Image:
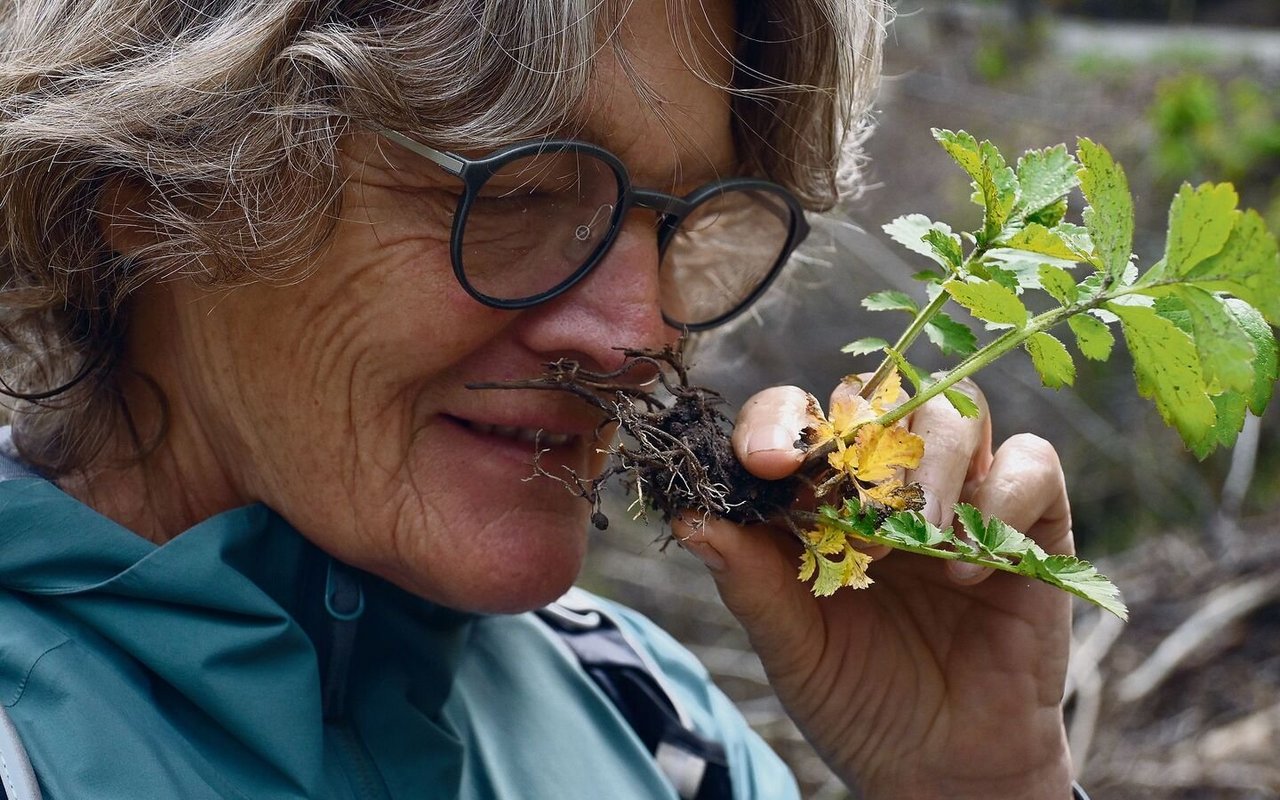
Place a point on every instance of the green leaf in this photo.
(910, 527)
(929, 276)
(909, 231)
(993, 536)
(909, 371)
(1051, 360)
(1059, 284)
(1230, 409)
(1080, 578)
(1045, 177)
(1093, 337)
(1167, 370)
(1266, 361)
(1050, 215)
(963, 148)
(1039, 239)
(946, 246)
(861, 347)
(1225, 348)
(952, 338)
(988, 301)
(962, 403)
(995, 181)
(1200, 221)
(1109, 217)
(890, 300)
(1247, 266)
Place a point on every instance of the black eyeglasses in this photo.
(535, 218)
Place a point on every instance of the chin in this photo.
(518, 566)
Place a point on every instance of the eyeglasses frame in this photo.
(671, 210)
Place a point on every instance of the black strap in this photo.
(697, 767)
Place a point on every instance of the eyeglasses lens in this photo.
(722, 253)
(536, 222)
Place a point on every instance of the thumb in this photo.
(755, 572)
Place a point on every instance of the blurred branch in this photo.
(1224, 606)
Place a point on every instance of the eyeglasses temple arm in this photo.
(446, 161)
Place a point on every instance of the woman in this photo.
(264, 542)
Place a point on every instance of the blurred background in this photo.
(1184, 700)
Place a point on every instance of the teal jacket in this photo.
(193, 670)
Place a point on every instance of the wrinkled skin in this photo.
(339, 400)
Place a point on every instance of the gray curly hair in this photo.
(228, 114)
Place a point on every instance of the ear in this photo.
(123, 219)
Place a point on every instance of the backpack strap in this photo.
(17, 779)
(697, 767)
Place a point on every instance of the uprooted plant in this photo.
(1197, 324)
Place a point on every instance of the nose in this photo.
(616, 306)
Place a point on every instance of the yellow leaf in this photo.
(893, 494)
(848, 413)
(854, 568)
(882, 451)
(886, 394)
(807, 565)
(844, 460)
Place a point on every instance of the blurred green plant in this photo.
(1206, 129)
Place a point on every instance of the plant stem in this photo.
(977, 361)
(811, 519)
(905, 340)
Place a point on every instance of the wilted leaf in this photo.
(882, 450)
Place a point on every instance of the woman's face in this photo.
(341, 400)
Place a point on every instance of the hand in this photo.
(937, 681)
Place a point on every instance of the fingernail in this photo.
(964, 572)
(704, 552)
(771, 437)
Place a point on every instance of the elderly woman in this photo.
(257, 537)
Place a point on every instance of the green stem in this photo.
(812, 519)
(906, 339)
(980, 359)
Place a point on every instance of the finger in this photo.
(957, 450)
(1025, 488)
(755, 573)
(766, 437)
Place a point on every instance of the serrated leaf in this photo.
(946, 246)
(963, 148)
(1167, 370)
(1059, 284)
(1081, 579)
(1226, 349)
(863, 346)
(952, 338)
(1093, 338)
(1230, 409)
(882, 451)
(832, 575)
(890, 300)
(909, 231)
(910, 527)
(992, 535)
(988, 301)
(1051, 360)
(1266, 360)
(1036, 238)
(928, 276)
(1247, 266)
(1200, 221)
(908, 370)
(1045, 177)
(1109, 217)
(1050, 215)
(962, 403)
